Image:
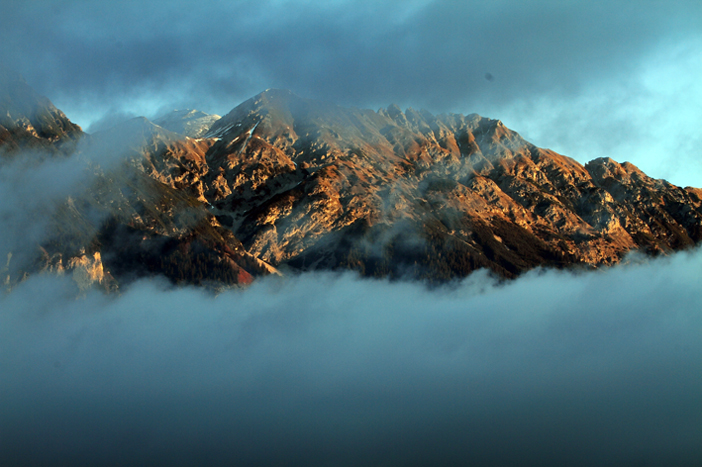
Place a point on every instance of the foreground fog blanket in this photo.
(597, 368)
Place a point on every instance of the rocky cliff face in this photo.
(137, 216)
(291, 183)
(313, 185)
(142, 226)
(30, 121)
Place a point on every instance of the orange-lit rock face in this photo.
(315, 185)
(288, 181)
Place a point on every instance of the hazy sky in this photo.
(588, 79)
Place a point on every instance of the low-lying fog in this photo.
(555, 368)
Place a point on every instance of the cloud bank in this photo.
(602, 368)
(623, 74)
(426, 53)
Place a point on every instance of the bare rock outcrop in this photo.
(283, 182)
(309, 184)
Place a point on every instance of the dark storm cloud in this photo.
(578, 77)
(431, 54)
(601, 368)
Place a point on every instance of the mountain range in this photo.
(283, 183)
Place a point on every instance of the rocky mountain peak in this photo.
(312, 184)
(29, 120)
(187, 122)
(274, 110)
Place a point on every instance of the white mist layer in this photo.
(554, 368)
